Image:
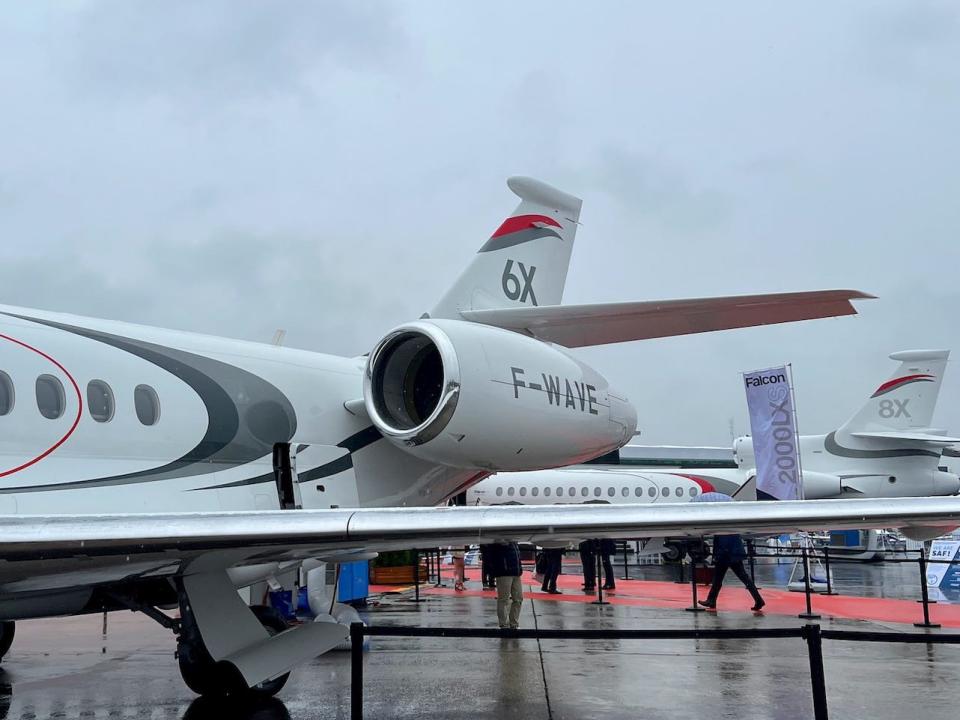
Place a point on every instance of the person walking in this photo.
(608, 549)
(588, 560)
(507, 570)
(729, 554)
(553, 560)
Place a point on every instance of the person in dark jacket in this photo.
(729, 554)
(608, 549)
(553, 560)
(486, 572)
(588, 560)
(505, 565)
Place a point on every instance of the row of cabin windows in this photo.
(52, 399)
(597, 492)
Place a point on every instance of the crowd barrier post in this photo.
(439, 564)
(356, 671)
(924, 595)
(416, 576)
(809, 614)
(752, 556)
(817, 678)
(826, 569)
(695, 607)
(626, 570)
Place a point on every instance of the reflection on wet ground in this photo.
(67, 669)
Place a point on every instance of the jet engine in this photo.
(474, 396)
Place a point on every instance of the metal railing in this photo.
(812, 634)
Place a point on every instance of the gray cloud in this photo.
(329, 168)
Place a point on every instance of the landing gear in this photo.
(7, 631)
(207, 677)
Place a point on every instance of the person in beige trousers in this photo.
(508, 570)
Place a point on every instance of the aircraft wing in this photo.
(602, 323)
(226, 539)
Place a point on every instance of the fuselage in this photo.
(106, 416)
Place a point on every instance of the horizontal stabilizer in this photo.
(913, 437)
(602, 323)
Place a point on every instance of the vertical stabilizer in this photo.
(907, 400)
(525, 261)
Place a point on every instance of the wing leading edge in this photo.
(602, 323)
(243, 537)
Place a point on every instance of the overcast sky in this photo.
(330, 167)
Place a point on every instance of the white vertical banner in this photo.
(773, 427)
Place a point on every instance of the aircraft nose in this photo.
(623, 413)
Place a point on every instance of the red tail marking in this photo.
(523, 222)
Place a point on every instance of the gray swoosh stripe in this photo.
(246, 414)
(831, 445)
(355, 442)
(517, 238)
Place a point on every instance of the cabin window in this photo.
(693, 492)
(7, 396)
(652, 491)
(546, 492)
(678, 492)
(638, 491)
(51, 400)
(596, 492)
(100, 401)
(666, 491)
(535, 491)
(147, 404)
(499, 491)
(510, 491)
(626, 491)
(611, 491)
(523, 491)
(560, 492)
(584, 491)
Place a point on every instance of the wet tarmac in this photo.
(67, 668)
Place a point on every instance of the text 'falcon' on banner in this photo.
(773, 425)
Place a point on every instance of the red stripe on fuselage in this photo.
(705, 486)
(523, 222)
(76, 421)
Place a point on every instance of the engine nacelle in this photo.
(816, 485)
(475, 396)
(820, 486)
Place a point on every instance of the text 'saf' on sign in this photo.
(774, 431)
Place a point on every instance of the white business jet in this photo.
(151, 469)
(887, 449)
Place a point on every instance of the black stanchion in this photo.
(439, 565)
(817, 679)
(826, 569)
(599, 600)
(356, 671)
(925, 597)
(809, 614)
(626, 570)
(752, 556)
(416, 576)
(695, 607)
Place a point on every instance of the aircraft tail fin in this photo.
(525, 261)
(907, 399)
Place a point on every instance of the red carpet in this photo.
(649, 593)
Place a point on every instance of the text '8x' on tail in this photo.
(907, 399)
(525, 261)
